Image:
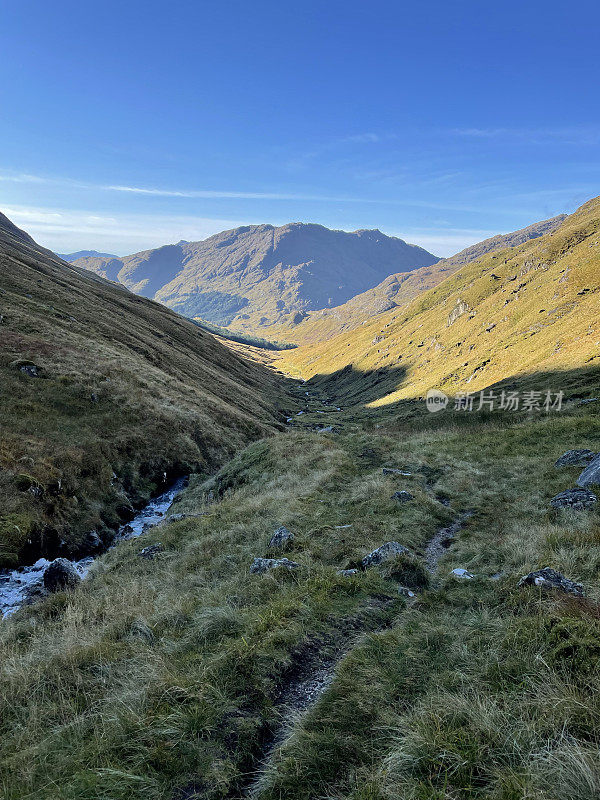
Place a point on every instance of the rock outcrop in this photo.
(262, 565)
(61, 575)
(591, 474)
(385, 553)
(281, 539)
(575, 458)
(577, 498)
(548, 578)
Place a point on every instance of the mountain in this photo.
(105, 396)
(524, 309)
(257, 275)
(401, 287)
(433, 630)
(70, 257)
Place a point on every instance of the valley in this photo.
(333, 606)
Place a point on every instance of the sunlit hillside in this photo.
(531, 308)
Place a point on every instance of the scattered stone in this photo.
(405, 592)
(31, 370)
(342, 527)
(328, 429)
(94, 397)
(347, 572)
(578, 499)
(588, 400)
(282, 538)
(463, 574)
(403, 496)
(591, 474)
(384, 553)
(395, 471)
(262, 565)
(548, 578)
(61, 575)
(575, 458)
(152, 550)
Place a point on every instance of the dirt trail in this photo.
(442, 540)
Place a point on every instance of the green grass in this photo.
(162, 679)
(158, 677)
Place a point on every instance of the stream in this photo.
(16, 584)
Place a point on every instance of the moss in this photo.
(15, 531)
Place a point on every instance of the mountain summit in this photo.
(257, 275)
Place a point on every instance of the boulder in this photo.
(403, 496)
(281, 539)
(578, 499)
(262, 565)
(548, 578)
(384, 553)
(151, 551)
(28, 368)
(575, 458)
(60, 575)
(591, 474)
(346, 573)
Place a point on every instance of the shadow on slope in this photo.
(362, 394)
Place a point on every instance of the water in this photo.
(16, 584)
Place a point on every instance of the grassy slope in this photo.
(158, 678)
(542, 299)
(126, 387)
(401, 288)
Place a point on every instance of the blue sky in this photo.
(125, 125)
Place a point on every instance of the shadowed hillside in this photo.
(106, 396)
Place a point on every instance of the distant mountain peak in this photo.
(84, 254)
(256, 275)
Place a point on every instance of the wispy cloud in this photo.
(236, 195)
(65, 230)
(150, 191)
(576, 135)
(21, 178)
(444, 241)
